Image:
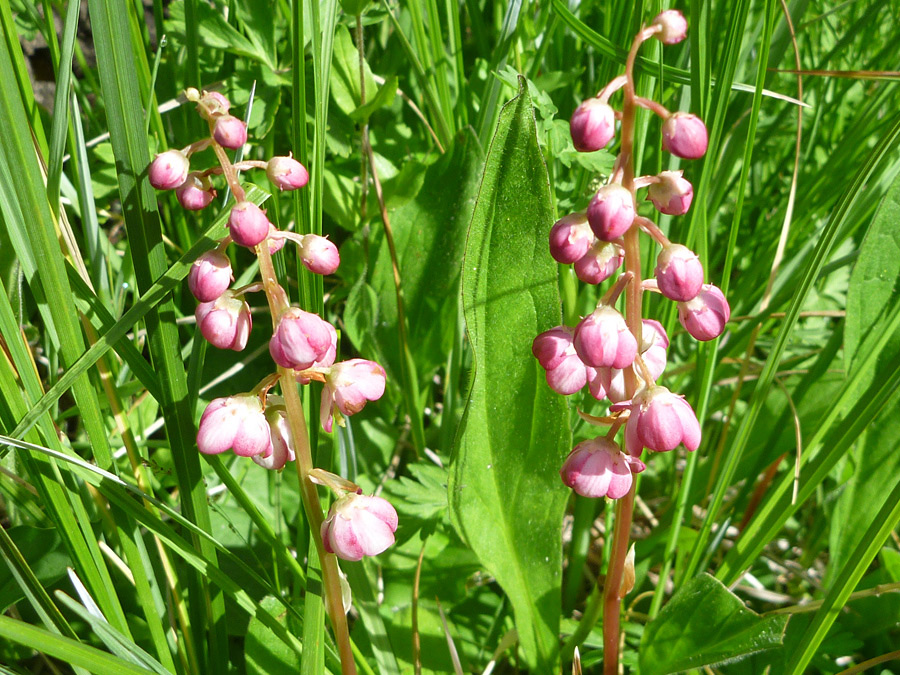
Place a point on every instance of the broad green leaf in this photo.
(263, 651)
(345, 73)
(702, 625)
(214, 32)
(505, 495)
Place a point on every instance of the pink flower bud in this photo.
(673, 194)
(211, 104)
(570, 238)
(597, 468)
(319, 254)
(301, 339)
(168, 170)
(611, 212)
(554, 350)
(593, 125)
(600, 262)
(210, 276)
(287, 173)
(602, 340)
(705, 316)
(225, 322)
(358, 525)
(248, 224)
(610, 382)
(349, 385)
(217, 100)
(280, 432)
(684, 135)
(660, 420)
(230, 132)
(196, 192)
(674, 27)
(235, 422)
(679, 273)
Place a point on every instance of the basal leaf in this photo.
(704, 624)
(505, 495)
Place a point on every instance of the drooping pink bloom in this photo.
(674, 26)
(301, 340)
(570, 238)
(660, 421)
(319, 254)
(610, 382)
(611, 212)
(600, 262)
(225, 322)
(247, 224)
(168, 170)
(597, 468)
(230, 132)
(349, 385)
(592, 126)
(236, 422)
(684, 135)
(359, 525)
(280, 432)
(210, 276)
(602, 340)
(196, 192)
(286, 173)
(679, 273)
(705, 316)
(555, 351)
(673, 193)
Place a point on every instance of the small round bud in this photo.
(319, 254)
(235, 422)
(673, 193)
(349, 385)
(196, 192)
(679, 273)
(358, 526)
(210, 104)
(597, 468)
(684, 135)
(248, 224)
(225, 322)
(554, 350)
(654, 343)
(169, 170)
(230, 132)
(286, 173)
(600, 262)
(570, 238)
(611, 212)
(660, 420)
(302, 340)
(210, 276)
(593, 125)
(674, 27)
(602, 340)
(705, 316)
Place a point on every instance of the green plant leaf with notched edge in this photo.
(702, 625)
(506, 499)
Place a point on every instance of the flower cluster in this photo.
(255, 424)
(601, 349)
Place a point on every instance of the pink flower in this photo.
(603, 340)
(210, 276)
(235, 422)
(705, 316)
(280, 432)
(358, 525)
(212, 104)
(600, 262)
(597, 468)
(230, 132)
(610, 382)
(660, 420)
(319, 254)
(684, 135)
(593, 125)
(168, 170)
(349, 385)
(674, 26)
(555, 351)
(673, 193)
(301, 340)
(570, 238)
(286, 173)
(225, 322)
(679, 273)
(611, 212)
(248, 224)
(196, 192)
